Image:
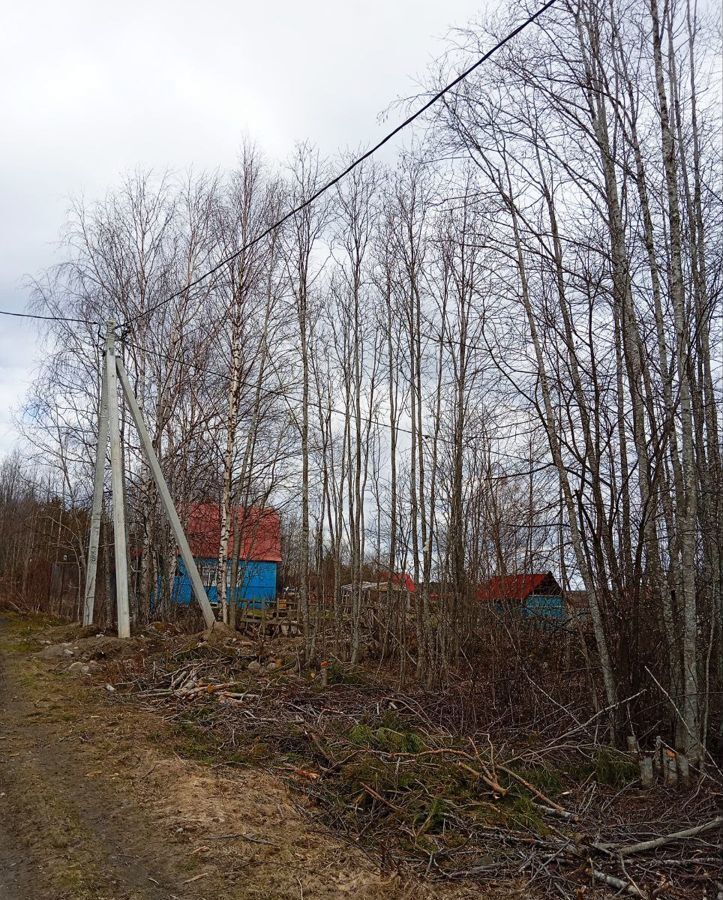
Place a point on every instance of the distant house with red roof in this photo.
(398, 581)
(259, 557)
(535, 594)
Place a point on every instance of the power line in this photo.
(350, 168)
(19, 315)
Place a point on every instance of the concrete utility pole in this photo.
(109, 424)
(166, 499)
(116, 467)
(97, 511)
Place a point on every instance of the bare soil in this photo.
(96, 801)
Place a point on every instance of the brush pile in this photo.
(426, 786)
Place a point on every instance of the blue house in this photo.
(535, 595)
(259, 558)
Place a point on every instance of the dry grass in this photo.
(424, 784)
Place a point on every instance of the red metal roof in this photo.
(402, 580)
(260, 534)
(511, 587)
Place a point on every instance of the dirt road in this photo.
(98, 800)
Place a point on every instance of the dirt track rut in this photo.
(96, 804)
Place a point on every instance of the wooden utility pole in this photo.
(116, 467)
(166, 499)
(97, 511)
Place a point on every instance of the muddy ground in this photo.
(98, 800)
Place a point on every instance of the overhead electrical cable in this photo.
(350, 168)
(315, 196)
(20, 315)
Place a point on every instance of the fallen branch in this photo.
(625, 886)
(188, 692)
(643, 846)
(557, 812)
(196, 878)
(325, 754)
(488, 780)
(303, 773)
(376, 796)
(532, 789)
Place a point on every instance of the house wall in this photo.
(256, 587)
(545, 606)
(535, 606)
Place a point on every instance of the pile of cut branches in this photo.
(549, 804)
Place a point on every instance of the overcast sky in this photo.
(91, 90)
